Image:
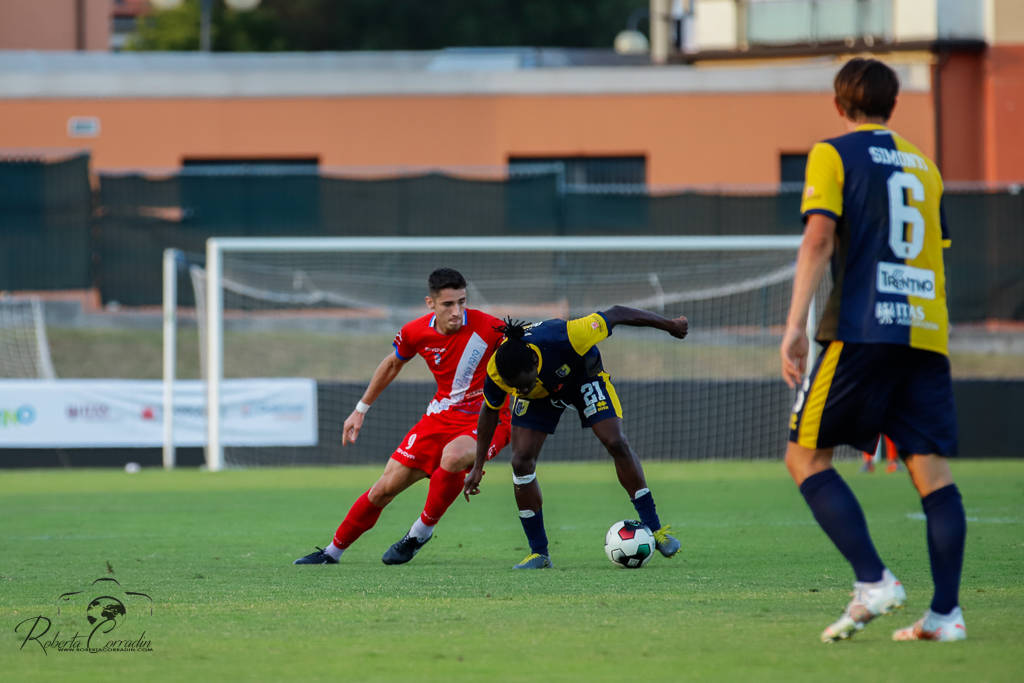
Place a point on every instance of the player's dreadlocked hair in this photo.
(514, 357)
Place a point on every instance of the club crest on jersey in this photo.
(437, 359)
(520, 407)
(562, 371)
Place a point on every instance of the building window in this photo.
(803, 22)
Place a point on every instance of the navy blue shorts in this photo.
(594, 399)
(857, 391)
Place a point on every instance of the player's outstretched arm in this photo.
(486, 423)
(624, 315)
(385, 373)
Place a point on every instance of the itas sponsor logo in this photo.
(895, 313)
(895, 278)
(22, 416)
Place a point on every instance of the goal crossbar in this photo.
(414, 244)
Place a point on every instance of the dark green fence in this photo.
(45, 221)
(59, 234)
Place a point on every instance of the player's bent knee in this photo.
(384, 491)
(456, 462)
(929, 473)
(523, 463)
(618, 448)
(380, 498)
(803, 462)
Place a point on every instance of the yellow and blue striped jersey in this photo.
(887, 269)
(566, 353)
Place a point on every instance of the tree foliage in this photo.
(317, 25)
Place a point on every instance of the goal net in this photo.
(24, 350)
(328, 309)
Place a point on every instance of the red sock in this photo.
(360, 518)
(891, 451)
(445, 487)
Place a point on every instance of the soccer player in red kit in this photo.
(456, 342)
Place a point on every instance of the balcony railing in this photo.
(738, 25)
(789, 22)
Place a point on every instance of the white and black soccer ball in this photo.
(629, 544)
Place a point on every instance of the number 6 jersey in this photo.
(887, 269)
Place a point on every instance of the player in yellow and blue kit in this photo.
(547, 367)
(873, 205)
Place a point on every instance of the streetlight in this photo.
(630, 41)
(205, 12)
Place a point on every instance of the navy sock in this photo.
(947, 529)
(533, 526)
(645, 509)
(840, 516)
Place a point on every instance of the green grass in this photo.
(745, 601)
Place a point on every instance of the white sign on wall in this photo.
(83, 127)
(75, 413)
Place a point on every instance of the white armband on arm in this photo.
(362, 408)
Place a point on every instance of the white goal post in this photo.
(732, 287)
(24, 349)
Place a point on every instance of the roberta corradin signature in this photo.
(103, 617)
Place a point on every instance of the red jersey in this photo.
(458, 361)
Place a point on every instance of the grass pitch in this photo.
(745, 600)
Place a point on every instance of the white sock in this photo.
(421, 531)
(334, 551)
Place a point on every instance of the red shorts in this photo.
(422, 447)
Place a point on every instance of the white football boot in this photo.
(869, 601)
(937, 627)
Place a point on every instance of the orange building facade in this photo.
(708, 123)
(693, 125)
(712, 122)
(686, 140)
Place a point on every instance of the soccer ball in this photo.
(629, 544)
